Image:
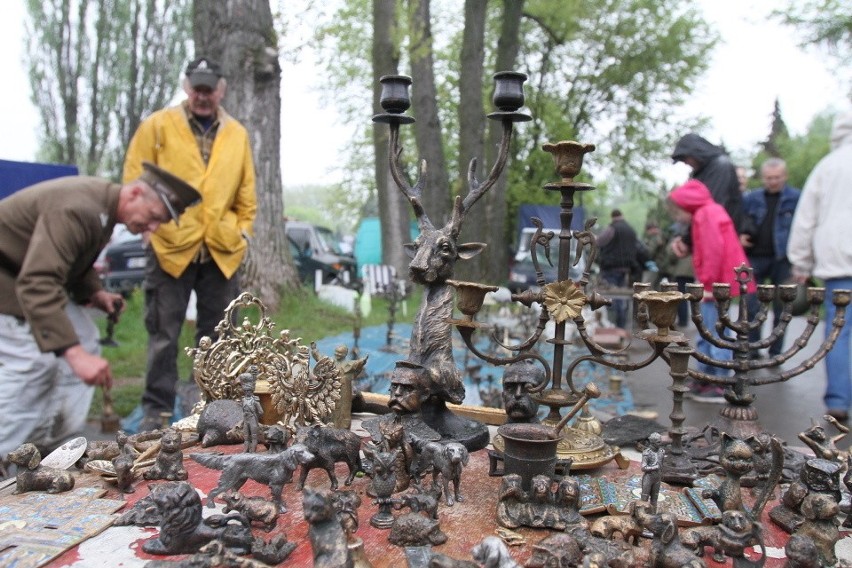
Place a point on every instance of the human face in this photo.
(742, 178)
(773, 177)
(204, 101)
(404, 398)
(145, 211)
(517, 402)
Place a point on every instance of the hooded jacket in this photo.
(226, 184)
(716, 171)
(716, 249)
(819, 240)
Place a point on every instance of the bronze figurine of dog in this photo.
(32, 476)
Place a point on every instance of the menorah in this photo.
(739, 417)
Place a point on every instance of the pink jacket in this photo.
(716, 248)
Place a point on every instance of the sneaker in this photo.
(711, 394)
(149, 423)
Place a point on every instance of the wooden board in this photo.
(37, 527)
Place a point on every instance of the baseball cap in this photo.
(203, 72)
(175, 193)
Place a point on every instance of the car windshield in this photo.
(327, 240)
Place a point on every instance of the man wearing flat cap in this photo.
(201, 143)
(52, 234)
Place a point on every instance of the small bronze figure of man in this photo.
(252, 411)
(652, 469)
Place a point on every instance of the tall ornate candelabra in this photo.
(738, 417)
(563, 301)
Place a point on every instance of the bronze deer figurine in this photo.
(433, 257)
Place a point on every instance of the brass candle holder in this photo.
(739, 417)
(563, 301)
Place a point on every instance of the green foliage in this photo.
(823, 23)
(96, 68)
(801, 152)
(611, 73)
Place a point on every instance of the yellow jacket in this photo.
(228, 201)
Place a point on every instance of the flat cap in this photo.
(176, 194)
(203, 71)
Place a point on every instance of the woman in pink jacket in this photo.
(716, 253)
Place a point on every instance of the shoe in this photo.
(710, 394)
(149, 423)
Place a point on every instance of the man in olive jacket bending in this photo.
(52, 234)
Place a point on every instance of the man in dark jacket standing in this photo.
(769, 211)
(52, 234)
(618, 245)
(714, 168)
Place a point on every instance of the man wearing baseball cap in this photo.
(49, 352)
(201, 143)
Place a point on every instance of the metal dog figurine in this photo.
(446, 459)
(32, 476)
(253, 508)
(273, 470)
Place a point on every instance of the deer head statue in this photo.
(435, 252)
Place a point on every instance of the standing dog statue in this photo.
(446, 459)
(273, 470)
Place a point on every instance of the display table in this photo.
(466, 523)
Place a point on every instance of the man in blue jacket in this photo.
(769, 211)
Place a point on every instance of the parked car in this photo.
(522, 273)
(123, 265)
(313, 249)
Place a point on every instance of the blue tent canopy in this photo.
(18, 175)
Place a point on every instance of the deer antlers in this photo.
(460, 207)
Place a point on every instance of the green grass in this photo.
(301, 312)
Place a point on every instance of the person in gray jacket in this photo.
(819, 246)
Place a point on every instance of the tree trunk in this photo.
(495, 257)
(240, 35)
(427, 129)
(393, 207)
(472, 130)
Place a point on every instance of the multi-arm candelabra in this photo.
(563, 301)
(739, 417)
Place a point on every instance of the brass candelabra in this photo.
(739, 417)
(562, 302)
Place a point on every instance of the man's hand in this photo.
(800, 276)
(111, 303)
(745, 240)
(92, 369)
(679, 248)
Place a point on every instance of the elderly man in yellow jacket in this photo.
(201, 143)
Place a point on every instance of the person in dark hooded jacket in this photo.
(714, 168)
